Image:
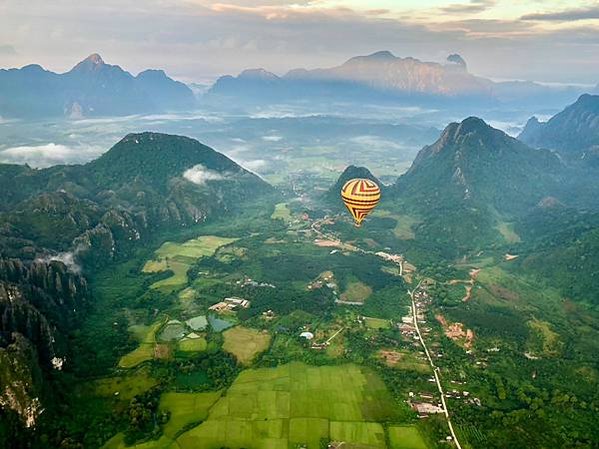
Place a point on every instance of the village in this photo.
(425, 403)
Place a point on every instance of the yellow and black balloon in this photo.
(360, 196)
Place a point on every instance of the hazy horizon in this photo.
(197, 41)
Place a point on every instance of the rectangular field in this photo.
(185, 408)
(406, 437)
(297, 404)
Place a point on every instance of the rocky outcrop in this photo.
(39, 302)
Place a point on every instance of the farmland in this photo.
(178, 257)
(245, 343)
(405, 437)
(296, 404)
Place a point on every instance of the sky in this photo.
(199, 40)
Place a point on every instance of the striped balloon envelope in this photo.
(360, 197)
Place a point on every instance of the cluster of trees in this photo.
(143, 420)
(215, 370)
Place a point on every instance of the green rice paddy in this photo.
(145, 351)
(406, 437)
(192, 345)
(296, 404)
(178, 257)
(377, 323)
(281, 212)
(186, 408)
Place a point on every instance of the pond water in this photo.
(218, 324)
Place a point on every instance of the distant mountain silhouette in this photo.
(91, 88)
(381, 77)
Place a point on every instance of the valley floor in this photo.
(243, 339)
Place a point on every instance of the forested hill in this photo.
(572, 132)
(145, 182)
(475, 165)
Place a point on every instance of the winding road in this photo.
(315, 227)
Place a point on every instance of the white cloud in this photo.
(255, 164)
(198, 174)
(378, 143)
(273, 138)
(67, 258)
(41, 156)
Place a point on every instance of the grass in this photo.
(145, 351)
(336, 347)
(245, 343)
(404, 229)
(543, 340)
(178, 278)
(192, 345)
(356, 292)
(507, 232)
(178, 257)
(369, 434)
(281, 212)
(186, 408)
(405, 360)
(406, 437)
(296, 404)
(127, 386)
(117, 442)
(205, 245)
(377, 323)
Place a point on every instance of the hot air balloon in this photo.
(360, 197)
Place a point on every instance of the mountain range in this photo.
(572, 132)
(95, 88)
(382, 77)
(476, 165)
(91, 88)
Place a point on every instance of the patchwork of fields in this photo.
(296, 404)
(286, 407)
(178, 257)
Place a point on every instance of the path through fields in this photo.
(316, 227)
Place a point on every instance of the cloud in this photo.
(273, 138)
(568, 15)
(473, 7)
(377, 143)
(41, 156)
(67, 258)
(200, 175)
(253, 165)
